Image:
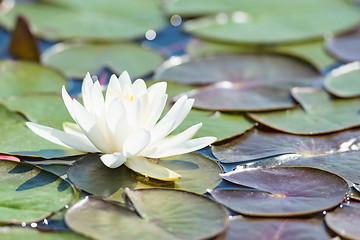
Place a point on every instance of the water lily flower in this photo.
(125, 125)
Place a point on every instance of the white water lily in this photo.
(125, 126)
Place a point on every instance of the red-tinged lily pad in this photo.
(10, 233)
(157, 214)
(21, 78)
(242, 228)
(282, 191)
(18, 139)
(257, 144)
(320, 113)
(9, 157)
(344, 81)
(345, 164)
(344, 222)
(29, 194)
(75, 60)
(249, 69)
(346, 47)
(89, 19)
(270, 22)
(198, 173)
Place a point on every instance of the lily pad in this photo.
(344, 222)
(160, 214)
(77, 59)
(354, 194)
(346, 47)
(29, 194)
(257, 144)
(282, 191)
(319, 114)
(10, 233)
(110, 20)
(45, 109)
(247, 68)
(21, 78)
(344, 81)
(345, 164)
(198, 173)
(276, 21)
(242, 228)
(17, 139)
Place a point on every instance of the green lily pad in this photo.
(21, 78)
(75, 60)
(319, 114)
(354, 194)
(344, 81)
(344, 222)
(160, 214)
(257, 144)
(45, 109)
(345, 164)
(217, 124)
(18, 139)
(110, 20)
(241, 228)
(282, 191)
(247, 68)
(10, 233)
(276, 21)
(29, 194)
(198, 173)
(345, 47)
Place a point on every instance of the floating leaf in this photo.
(320, 114)
(10, 233)
(110, 20)
(20, 78)
(17, 139)
(276, 21)
(257, 144)
(354, 194)
(198, 173)
(344, 81)
(345, 47)
(23, 45)
(344, 222)
(247, 68)
(29, 193)
(160, 214)
(282, 191)
(45, 109)
(242, 228)
(77, 59)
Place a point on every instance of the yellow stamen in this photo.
(131, 98)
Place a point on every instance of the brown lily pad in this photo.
(346, 47)
(257, 144)
(344, 222)
(282, 191)
(320, 113)
(242, 228)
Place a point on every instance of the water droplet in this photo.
(66, 206)
(150, 35)
(222, 18)
(23, 224)
(341, 206)
(33, 225)
(46, 221)
(175, 20)
(324, 212)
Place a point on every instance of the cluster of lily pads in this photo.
(287, 158)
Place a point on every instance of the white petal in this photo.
(138, 87)
(62, 138)
(97, 100)
(113, 160)
(136, 142)
(156, 109)
(86, 91)
(124, 79)
(73, 129)
(90, 127)
(157, 89)
(68, 101)
(113, 90)
(133, 112)
(185, 147)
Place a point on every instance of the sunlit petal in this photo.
(113, 160)
(124, 79)
(136, 142)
